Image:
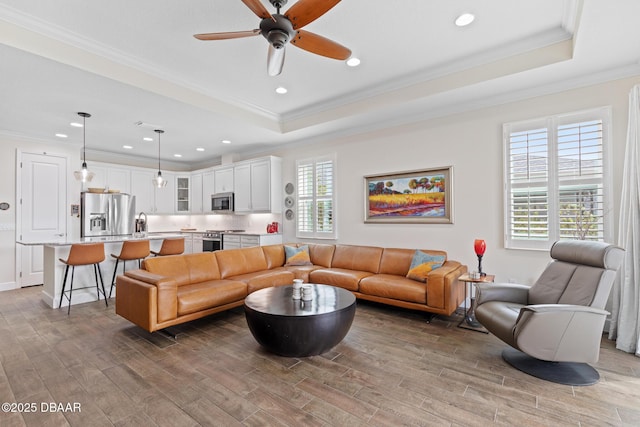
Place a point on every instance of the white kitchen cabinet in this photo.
(208, 189)
(197, 242)
(242, 186)
(230, 241)
(196, 193)
(235, 241)
(144, 191)
(223, 180)
(107, 176)
(165, 197)
(183, 195)
(119, 179)
(258, 186)
(188, 242)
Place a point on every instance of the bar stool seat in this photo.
(132, 250)
(174, 246)
(83, 254)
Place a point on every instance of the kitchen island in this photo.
(53, 269)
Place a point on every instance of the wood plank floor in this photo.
(392, 369)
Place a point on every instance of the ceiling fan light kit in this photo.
(279, 30)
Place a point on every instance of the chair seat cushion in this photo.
(201, 296)
(394, 287)
(500, 318)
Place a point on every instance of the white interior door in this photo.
(42, 193)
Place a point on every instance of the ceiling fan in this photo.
(280, 29)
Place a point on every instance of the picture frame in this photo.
(417, 196)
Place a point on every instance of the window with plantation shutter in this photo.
(316, 198)
(556, 180)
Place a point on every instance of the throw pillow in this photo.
(297, 256)
(422, 264)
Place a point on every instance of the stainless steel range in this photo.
(212, 239)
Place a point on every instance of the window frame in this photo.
(315, 197)
(552, 124)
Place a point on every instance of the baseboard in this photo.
(8, 286)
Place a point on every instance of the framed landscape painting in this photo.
(421, 196)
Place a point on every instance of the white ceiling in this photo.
(127, 61)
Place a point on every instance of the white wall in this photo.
(472, 143)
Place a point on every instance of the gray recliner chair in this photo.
(555, 326)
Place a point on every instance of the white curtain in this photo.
(625, 316)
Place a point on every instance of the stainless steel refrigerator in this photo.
(106, 214)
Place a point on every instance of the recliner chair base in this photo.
(569, 373)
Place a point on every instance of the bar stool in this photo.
(170, 247)
(131, 250)
(83, 254)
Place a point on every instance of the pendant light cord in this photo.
(84, 139)
(159, 132)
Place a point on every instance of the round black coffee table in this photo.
(296, 328)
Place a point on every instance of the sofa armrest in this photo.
(166, 292)
(507, 292)
(560, 332)
(443, 286)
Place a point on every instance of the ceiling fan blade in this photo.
(258, 8)
(275, 60)
(228, 35)
(320, 45)
(306, 11)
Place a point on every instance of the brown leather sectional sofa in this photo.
(175, 289)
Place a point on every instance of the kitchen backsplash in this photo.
(254, 223)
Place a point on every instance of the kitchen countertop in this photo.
(103, 239)
(240, 233)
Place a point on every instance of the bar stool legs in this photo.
(131, 250)
(87, 254)
(115, 272)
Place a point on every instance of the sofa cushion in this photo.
(422, 264)
(394, 287)
(297, 255)
(233, 262)
(321, 254)
(398, 260)
(274, 255)
(341, 277)
(265, 279)
(358, 258)
(185, 269)
(201, 296)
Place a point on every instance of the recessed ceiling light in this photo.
(353, 62)
(146, 138)
(281, 90)
(226, 141)
(177, 155)
(127, 147)
(61, 135)
(199, 149)
(464, 19)
(76, 124)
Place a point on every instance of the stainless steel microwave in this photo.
(222, 202)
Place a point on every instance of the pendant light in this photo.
(159, 181)
(83, 175)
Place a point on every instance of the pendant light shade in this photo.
(159, 181)
(83, 175)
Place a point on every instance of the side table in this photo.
(469, 321)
